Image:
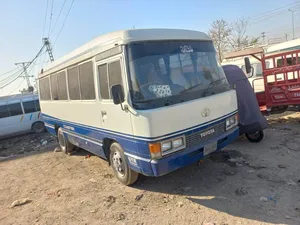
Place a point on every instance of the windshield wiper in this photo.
(211, 85)
(190, 88)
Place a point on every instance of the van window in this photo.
(86, 77)
(73, 82)
(29, 107)
(44, 87)
(54, 89)
(37, 105)
(15, 109)
(102, 70)
(4, 111)
(62, 86)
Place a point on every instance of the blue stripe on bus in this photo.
(131, 144)
(157, 138)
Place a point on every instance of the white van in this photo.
(149, 101)
(20, 114)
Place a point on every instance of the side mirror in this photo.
(248, 65)
(117, 94)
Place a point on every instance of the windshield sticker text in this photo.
(161, 91)
(186, 49)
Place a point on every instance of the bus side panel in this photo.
(91, 138)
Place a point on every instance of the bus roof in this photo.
(17, 97)
(110, 40)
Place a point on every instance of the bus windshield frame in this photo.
(163, 73)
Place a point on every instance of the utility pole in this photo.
(286, 37)
(292, 11)
(263, 34)
(26, 76)
(48, 48)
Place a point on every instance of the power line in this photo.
(64, 22)
(12, 76)
(280, 9)
(51, 14)
(61, 9)
(16, 87)
(45, 20)
(8, 72)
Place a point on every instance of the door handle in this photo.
(103, 113)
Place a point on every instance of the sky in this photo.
(23, 24)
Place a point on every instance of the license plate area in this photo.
(209, 148)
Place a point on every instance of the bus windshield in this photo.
(164, 73)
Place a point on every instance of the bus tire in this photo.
(38, 127)
(63, 142)
(120, 166)
(255, 137)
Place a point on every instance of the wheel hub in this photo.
(118, 163)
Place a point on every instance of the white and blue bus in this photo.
(20, 114)
(149, 101)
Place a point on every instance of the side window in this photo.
(86, 77)
(37, 105)
(102, 70)
(73, 83)
(110, 74)
(29, 107)
(54, 88)
(62, 86)
(259, 72)
(44, 88)
(4, 111)
(115, 74)
(15, 109)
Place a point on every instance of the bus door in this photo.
(113, 117)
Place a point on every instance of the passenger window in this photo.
(73, 82)
(44, 88)
(37, 105)
(29, 107)
(62, 86)
(54, 89)
(15, 109)
(102, 70)
(86, 77)
(4, 111)
(115, 74)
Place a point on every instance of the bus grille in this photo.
(196, 138)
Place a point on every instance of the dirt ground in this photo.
(244, 184)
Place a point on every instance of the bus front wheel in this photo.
(120, 166)
(63, 142)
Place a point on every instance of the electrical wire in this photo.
(8, 72)
(51, 14)
(45, 20)
(12, 76)
(64, 22)
(17, 87)
(61, 9)
(271, 12)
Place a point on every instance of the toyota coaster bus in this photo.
(149, 101)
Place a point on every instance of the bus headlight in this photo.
(231, 122)
(157, 150)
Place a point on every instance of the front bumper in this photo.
(185, 157)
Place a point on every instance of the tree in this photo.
(238, 38)
(220, 32)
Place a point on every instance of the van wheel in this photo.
(120, 166)
(64, 144)
(255, 137)
(38, 127)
